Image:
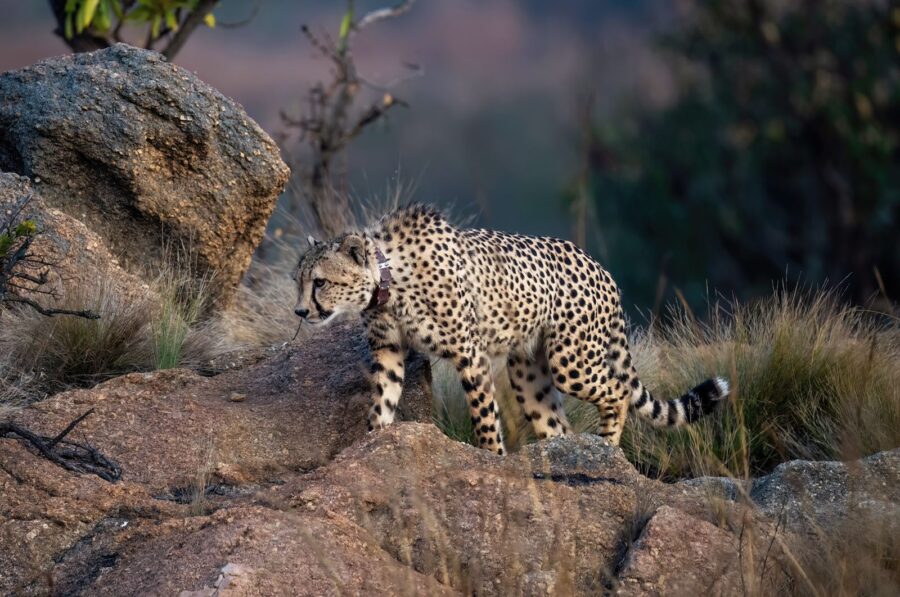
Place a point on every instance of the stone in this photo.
(79, 256)
(146, 156)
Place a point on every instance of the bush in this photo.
(781, 150)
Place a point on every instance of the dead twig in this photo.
(332, 118)
(72, 456)
(187, 27)
(19, 264)
(381, 14)
(49, 312)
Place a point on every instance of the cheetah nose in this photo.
(302, 312)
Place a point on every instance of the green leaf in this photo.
(86, 14)
(103, 20)
(155, 25)
(345, 25)
(79, 19)
(67, 27)
(5, 243)
(141, 14)
(117, 8)
(171, 19)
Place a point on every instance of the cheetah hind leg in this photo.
(541, 404)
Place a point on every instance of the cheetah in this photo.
(473, 296)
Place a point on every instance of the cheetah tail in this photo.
(699, 401)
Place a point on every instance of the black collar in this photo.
(382, 292)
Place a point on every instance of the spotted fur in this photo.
(473, 295)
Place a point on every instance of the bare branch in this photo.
(332, 118)
(374, 112)
(191, 22)
(87, 314)
(79, 458)
(382, 14)
(68, 428)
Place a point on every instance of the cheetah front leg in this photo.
(386, 344)
(475, 373)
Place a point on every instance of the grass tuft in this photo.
(811, 378)
(160, 329)
(61, 352)
(182, 300)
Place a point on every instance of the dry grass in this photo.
(812, 379)
(161, 329)
(860, 558)
(262, 312)
(62, 352)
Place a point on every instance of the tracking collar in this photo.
(382, 292)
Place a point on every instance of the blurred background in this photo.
(696, 148)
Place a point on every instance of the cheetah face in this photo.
(333, 278)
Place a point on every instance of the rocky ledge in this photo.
(261, 480)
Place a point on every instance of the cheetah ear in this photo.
(312, 242)
(354, 246)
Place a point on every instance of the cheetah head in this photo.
(333, 278)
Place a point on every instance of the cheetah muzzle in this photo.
(471, 295)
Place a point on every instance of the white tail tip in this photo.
(722, 385)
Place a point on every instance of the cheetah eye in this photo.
(319, 282)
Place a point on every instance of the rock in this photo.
(46, 512)
(254, 551)
(166, 427)
(285, 493)
(79, 255)
(140, 150)
(819, 497)
(537, 522)
(183, 446)
(678, 554)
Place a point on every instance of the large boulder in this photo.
(144, 154)
(77, 255)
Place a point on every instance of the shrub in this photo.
(161, 329)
